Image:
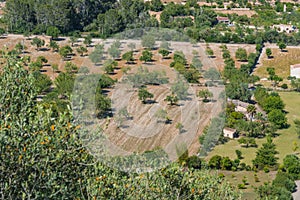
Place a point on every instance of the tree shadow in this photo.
(149, 63)
(275, 134)
(112, 73)
(150, 101)
(285, 112)
(105, 114)
(123, 126)
(187, 99)
(169, 121)
(105, 91)
(212, 101)
(59, 39)
(286, 126)
(44, 49)
(130, 118)
(252, 102)
(131, 63)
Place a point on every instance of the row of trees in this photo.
(238, 80)
(190, 72)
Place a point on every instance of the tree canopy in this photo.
(266, 155)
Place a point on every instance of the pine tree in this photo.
(265, 156)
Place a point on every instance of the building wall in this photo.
(229, 134)
(295, 72)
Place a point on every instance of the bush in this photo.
(201, 139)
(284, 86)
(266, 170)
(278, 118)
(268, 191)
(215, 162)
(194, 162)
(256, 178)
(241, 186)
(243, 166)
(284, 180)
(226, 163)
(245, 180)
(248, 168)
(241, 54)
(291, 164)
(239, 154)
(221, 175)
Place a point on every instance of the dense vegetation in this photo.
(104, 18)
(38, 16)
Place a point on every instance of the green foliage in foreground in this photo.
(42, 157)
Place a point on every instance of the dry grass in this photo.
(281, 61)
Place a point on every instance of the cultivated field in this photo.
(192, 113)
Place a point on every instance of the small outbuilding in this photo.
(230, 133)
(295, 70)
(224, 20)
